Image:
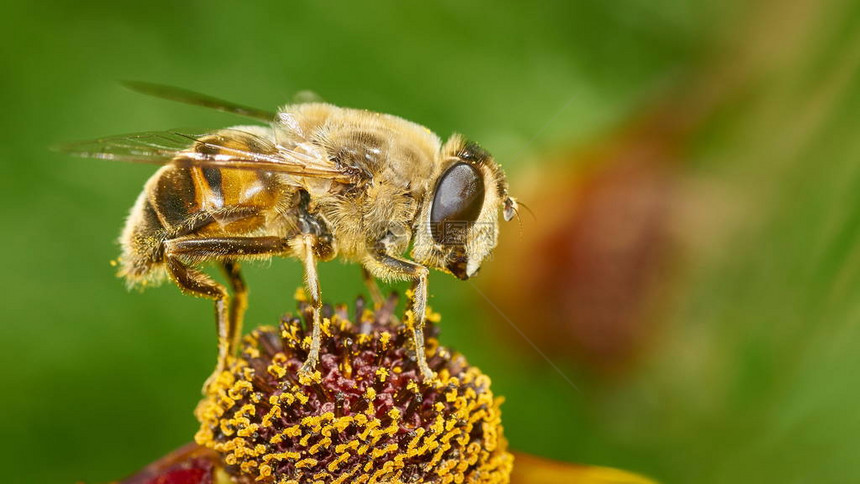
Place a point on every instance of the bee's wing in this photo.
(195, 98)
(225, 148)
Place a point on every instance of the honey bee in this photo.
(317, 182)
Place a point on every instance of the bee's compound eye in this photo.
(456, 203)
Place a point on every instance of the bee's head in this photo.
(458, 222)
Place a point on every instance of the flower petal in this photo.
(190, 464)
(529, 469)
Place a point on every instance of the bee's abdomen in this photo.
(141, 241)
(169, 201)
(207, 201)
(175, 197)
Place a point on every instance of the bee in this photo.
(314, 182)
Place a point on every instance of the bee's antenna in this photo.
(519, 220)
(534, 217)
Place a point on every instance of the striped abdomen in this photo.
(199, 202)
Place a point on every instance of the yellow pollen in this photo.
(272, 425)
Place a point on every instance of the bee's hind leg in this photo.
(196, 283)
(228, 314)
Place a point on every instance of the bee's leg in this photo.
(418, 274)
(419, 310)
(372, 288)
(312, 283)
(238, 303)
(196, 283)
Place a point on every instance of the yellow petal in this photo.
(534, 470)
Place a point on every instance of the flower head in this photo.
(365, 416)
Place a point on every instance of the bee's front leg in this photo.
(405, 269)
(305, 248)
(419, 310)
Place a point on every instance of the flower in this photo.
(193, 464)
(365, 416)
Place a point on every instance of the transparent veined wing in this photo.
(197, 99)
(225, 148)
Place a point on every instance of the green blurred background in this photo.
(745, 367)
